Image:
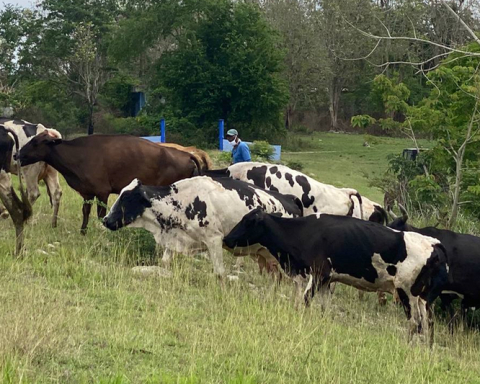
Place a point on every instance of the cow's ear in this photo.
(277, 214)
(53, 137)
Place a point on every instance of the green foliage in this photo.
(296, 165)
(262, 150)
(226, 65)
(362, 121)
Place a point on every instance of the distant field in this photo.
(343, 161)
(72, 311)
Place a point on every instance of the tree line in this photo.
(260, 65)
(269, 68)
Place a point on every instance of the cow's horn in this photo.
(404, 212)
(390, 212)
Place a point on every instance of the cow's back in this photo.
(316, 197)
(115, 160)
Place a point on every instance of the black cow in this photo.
(328, 248)
(463, 253)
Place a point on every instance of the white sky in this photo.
(20, 3)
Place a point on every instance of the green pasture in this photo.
(73, 311)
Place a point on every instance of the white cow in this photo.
(35, 172)
(195, 214)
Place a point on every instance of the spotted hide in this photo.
(195, 214)
(371, 257)
(463, 253)
(316, 197)
(34, 173)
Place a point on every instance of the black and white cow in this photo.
(463, 253)
(316, 197)
(328, 248)
(33, 173)
(195, 214)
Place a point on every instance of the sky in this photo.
(20, 3)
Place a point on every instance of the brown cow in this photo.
(98, 165)
(202, 156)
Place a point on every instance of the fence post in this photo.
(220, 134)
(162, 130)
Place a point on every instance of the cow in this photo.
(316, 197)
(19, 209)
(463, 253)
(96, 166)
(202, 156)
(36, 172)
(328, 248)
(195, 214)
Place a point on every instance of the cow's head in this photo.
(39, 147)
(248, 231)
(400, 223)
(129, 206)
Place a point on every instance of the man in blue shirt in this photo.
(240, 151)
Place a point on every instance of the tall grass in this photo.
(72, 311)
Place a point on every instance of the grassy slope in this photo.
(343, 161)
(72, 311)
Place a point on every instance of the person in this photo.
(240, 151)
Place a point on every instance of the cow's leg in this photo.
(167, 257)
(325, 294)
(30, 174)
(270, 264)
(446, 306)
(87, 207)
(431, 325)
(407, 307)
(54, 191)
(102, 206)
(215, 251)
(301, 284)
(19, 209)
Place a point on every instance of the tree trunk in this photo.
(90, 121)
(334, 95)
(288, 117)
(456, 190)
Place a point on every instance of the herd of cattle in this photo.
(314, 233)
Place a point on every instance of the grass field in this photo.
(72, 310)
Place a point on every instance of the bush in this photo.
(296, 165)
(261, 150)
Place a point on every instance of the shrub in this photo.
(295, 164)
(262, 150)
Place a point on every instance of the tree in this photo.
(304, 53)
(88, 68)
(223, 63)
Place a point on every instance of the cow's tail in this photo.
(353, 192)
(198, 171)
